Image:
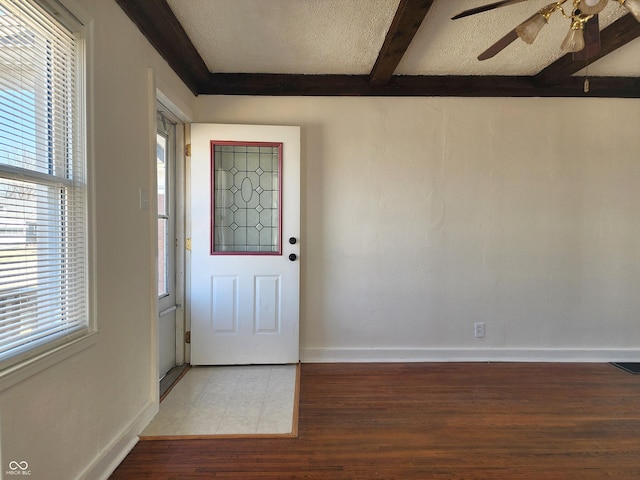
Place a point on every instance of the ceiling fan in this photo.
(583, 38)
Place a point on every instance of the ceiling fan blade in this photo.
(503, 43)
(500, 45)
(591, 40)
(486, 8)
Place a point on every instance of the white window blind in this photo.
(43, 266)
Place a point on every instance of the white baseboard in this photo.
(108, 460)
(329, 355)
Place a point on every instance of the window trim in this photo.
(28, 367)
(73, 17)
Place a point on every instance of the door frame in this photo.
(174, 115)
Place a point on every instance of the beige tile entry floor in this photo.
(236, 400)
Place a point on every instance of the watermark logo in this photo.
(18, 468)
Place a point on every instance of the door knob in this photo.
(293, 240)
(293, 257)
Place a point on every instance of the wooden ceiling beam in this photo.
(415, 86)
(405, 24)
(159, 25)
(619, 33)
(156, 21)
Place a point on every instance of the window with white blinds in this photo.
(43, 232)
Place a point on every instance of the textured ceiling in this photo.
(287, 36)
(345, 36)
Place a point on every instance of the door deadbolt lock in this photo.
(293, 257)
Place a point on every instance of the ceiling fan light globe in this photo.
(574, 41)
(633, 6)
(592, 7)
(528, 31)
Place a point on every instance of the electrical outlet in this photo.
(478, 331)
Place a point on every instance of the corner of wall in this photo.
(110, 457)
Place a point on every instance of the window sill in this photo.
(20, 372)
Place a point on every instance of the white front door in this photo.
(245, 227)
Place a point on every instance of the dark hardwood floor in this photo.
(430, 421)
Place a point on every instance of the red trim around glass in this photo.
(212, 195)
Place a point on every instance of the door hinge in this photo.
(187, 244)
(187, 150)
(187, 337)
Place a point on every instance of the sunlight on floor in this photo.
(236, 400)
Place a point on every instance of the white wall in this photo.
(422, 216)
(79, 417)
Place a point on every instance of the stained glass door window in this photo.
(246, 197)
